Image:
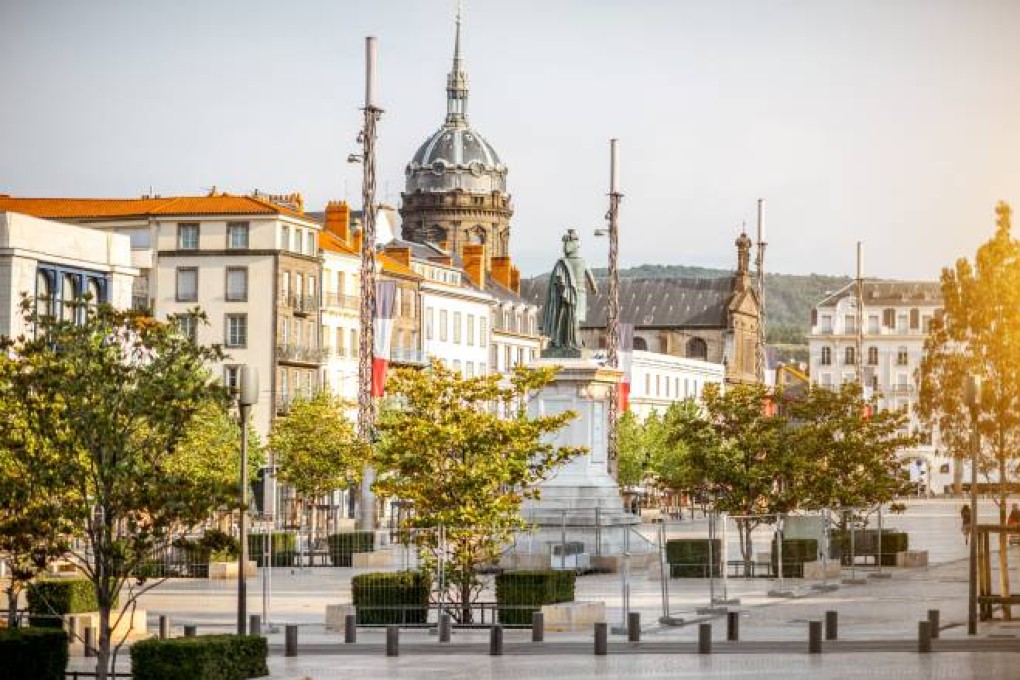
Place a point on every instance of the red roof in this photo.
(100, 208)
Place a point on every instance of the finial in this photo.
(456, 81)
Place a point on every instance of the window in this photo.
(340, 342)
(456, 327)
(509, 357)
(902, 356)
(428, 323)
(355, 347)
(237, 235)
(309, 243)
(697, 349)
(872, 356)
(295, 244)
(849, 356)
(873, 324)
(187, 324)
(640, 345)
(284, 237)
(232, 378)
(648, 383)
(187, 236)
(470, 330)
(483, 331)
(915, 319)
(285, 285)
(237, 284)
(442, 325)
(456, 365)
(285, 331)
(826, 323)
(901, 323)
(826, 356)
(469, 369)
(849, 323)
(341, 283)
(187, 284)
(237, 330)
(889, 317)
(481, 369)
(68, 296)
(44, 291)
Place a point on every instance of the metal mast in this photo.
(366, 405)
(759, 263)
(859, 309)
(613, 306)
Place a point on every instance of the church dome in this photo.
(456, 157)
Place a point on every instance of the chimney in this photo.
(501, 270)
(442, 259)
(356, 242)
(401, 255)
(515, 280)
(474, 263)
(444, 245)
(338, 220)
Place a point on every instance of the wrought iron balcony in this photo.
(340, 301)
(300, 353)
(408, 355)
(303, 304)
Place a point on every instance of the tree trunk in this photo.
(1007, 612)
(957, 475)
(12, 604)
(103, 653)
(744, 529)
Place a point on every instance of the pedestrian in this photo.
(965, 523)
(1014, 523)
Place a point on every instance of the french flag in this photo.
(625, 356)
(385, 295)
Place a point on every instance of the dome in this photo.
(456, 157)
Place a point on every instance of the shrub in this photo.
(866, 544)
(342, 546)
(520, 593)
(49, 599)
(688, 557)
(796, 551)
(284, 544)
(33, 654)
(391, 597)
(207, 657)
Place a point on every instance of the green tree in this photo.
(634, 454)
(140, 437)
(979, 334)
(465, 453)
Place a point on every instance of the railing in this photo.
(341, 301)
(902, 388)
(408, 355)
(308, 355)
(303, 304)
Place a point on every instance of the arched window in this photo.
(69, 294)
(849, 356)
(872, 356)
(94, 292)
(43, 292)
(697, 349)
(826, 356)
(640, 344)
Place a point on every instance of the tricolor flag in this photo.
(382, 328)
(625, 355)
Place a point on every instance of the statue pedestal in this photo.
(580, 510)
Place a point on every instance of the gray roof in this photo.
(653, 303)
(890, 293)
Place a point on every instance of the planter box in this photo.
(131, 624)
(573, 617)
(219, 571)
(912, 558)
(820, 570)
(368, 560)
(336, 614)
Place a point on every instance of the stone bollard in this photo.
(704, 638)
(164, 627)
(601, 639)
(445, 627)
(537, 626)
(290, 640)
(733, 626)
(634, 627)
(814, 645)
(831, 625)
(350, 629)
(190, 631)
(392, 641)
(255, 624)
(923, 637)
(90, 641)
(496, 640)
(933, 619)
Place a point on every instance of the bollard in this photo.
(933, 619)
(704, 638)
(634, 627)
(255, 624)
(190, 631)
(351, 629)
(537, 626)
(90, 641)
(814, 645)
(733, 626)
(392, 641)
(831, 625)
(601, 639)
(923, 637)
(496, 640)
(72, 627)
(290, 640)
(445, 627)
(164, 627)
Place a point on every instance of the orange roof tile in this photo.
(98, 208)
(391, 266)
(329, 241)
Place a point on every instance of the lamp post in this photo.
(973, 397)
(613, 302)
(248, 396)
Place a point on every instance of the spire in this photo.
(456, 83)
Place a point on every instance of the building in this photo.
(58, 265)
(897, 316)
(250, 263)
(658, 380)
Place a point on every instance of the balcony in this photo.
(302, 305)
(340, 301)
(901, 388)
(300, 354)
(407, 355)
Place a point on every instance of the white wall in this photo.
(447, 301)
(658, 380)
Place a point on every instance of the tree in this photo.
(465, 453)
(316, 447)
(633, 445)
(140, 439)
(979, 334)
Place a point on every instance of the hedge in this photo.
(343, 545)
(796, 551)
(391, 597)
(213, 546)
(206, 657)
(866, 544)
(688, 557)
(284, 548)
(33, 654)
(49, 599)
(520, 593)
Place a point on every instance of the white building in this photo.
(341, 304)
(658, 380)
(897, 317)
(59, 263)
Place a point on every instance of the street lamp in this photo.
(248, 396)
(613, 302)
(973, 399)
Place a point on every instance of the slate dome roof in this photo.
(456, 157)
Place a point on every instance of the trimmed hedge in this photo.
(866, 544)
(49, 599)
(206, 657)
(520, 593)
(343, 545)
(688, 557)
(33, 654)
(400, 597)
(284, 548)
(796, 551)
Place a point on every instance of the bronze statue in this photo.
(566, 300)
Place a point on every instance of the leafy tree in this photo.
(464, 453)
(979, 334)
(633, 455)
(140, 438)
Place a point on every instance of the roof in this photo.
(107, 208)
(655, 303)
(331, 242)
(890, 293)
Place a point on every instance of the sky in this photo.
(892, 122)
